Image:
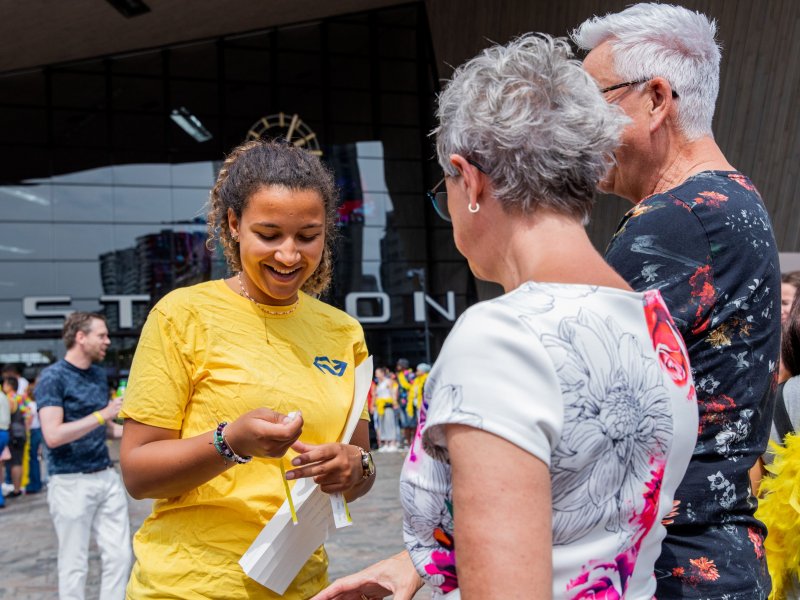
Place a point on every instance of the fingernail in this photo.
(290, 475)
(296, 462)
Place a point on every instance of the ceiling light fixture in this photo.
(190, 124)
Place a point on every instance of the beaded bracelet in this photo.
(225, 451)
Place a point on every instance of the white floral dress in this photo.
(596, 383)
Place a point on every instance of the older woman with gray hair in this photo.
(559, 418)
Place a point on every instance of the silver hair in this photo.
(661, 40)
(531, 116)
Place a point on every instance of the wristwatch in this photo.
(367, 464)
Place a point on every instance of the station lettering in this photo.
(32, 309)
(366, 307)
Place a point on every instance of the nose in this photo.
(287, 253)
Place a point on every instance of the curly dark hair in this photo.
(260, 163)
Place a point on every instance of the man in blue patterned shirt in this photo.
(700, 234)
(85, 493)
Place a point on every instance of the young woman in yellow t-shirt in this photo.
(218, 371)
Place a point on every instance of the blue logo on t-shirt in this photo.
(334, 367)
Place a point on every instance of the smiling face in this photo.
(281, 238)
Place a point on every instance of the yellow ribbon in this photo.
(288, 491)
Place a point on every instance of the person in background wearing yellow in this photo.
(229, 375)
(386, 390)
(18, 441)
(415, 393)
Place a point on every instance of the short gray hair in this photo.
(661, 40)
(532, 117)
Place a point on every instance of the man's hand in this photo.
(112, 409)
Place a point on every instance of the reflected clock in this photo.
(290, 127)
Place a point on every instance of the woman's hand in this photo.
(395, 575)
(335, 467)
(263, 432)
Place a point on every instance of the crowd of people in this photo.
(394, 402)
(21, 450)
(597, 431)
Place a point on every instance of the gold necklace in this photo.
(261, 306)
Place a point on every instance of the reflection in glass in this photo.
(114, 201)
(141, 204)
(82, 203)
(26, 202)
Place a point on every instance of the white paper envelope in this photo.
(282, 548)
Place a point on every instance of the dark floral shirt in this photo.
(708, 247)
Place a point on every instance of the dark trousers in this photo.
(35, 467)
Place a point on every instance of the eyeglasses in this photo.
(439, 199)
(611, 88)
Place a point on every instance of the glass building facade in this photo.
(107, 164)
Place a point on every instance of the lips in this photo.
(283, 275)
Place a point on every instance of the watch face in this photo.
(286, 126)
(367, 464)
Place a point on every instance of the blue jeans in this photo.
(35, 468)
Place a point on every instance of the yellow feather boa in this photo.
(779, 510)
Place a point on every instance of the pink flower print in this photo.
(416, 444)
(614, 426)
(652, 496)
(444, 561)
(604, 583)
(667, 340)
(608, 580)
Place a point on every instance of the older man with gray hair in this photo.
(700, 234)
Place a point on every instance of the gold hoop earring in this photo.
(473, 210)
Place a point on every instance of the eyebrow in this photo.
(276, 226)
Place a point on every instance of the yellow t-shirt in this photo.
(208, 355)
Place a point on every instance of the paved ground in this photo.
(28, 544)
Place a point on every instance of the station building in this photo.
(117, 114)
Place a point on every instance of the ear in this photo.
(233, 222)
(662, 102)
(474, 181)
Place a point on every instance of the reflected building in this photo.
(156, 265)
(108, 164)
(109, 154)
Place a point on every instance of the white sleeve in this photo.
(494, 374)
